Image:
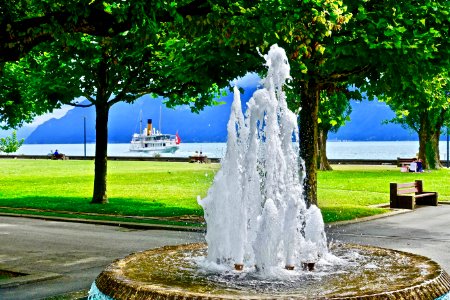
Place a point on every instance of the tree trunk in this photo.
(437, 136)
(101, 153)
(324, 164)
(101, 132)
(309, 138)
(423, 138)
(429, 144)
(434, 141)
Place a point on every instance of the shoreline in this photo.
(210, 159)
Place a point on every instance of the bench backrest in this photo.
(407, 188)
(403, 161)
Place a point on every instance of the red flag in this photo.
(177, 138)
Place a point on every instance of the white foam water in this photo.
(255, 210)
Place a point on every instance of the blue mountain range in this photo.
(210, 125)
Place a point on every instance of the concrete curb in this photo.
(27, 277)
(131, 225)
(393, 212)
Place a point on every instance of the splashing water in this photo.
(255, 209)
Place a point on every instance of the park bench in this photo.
(402, 162)
(198, 159)
(408, 195)
(58, 156)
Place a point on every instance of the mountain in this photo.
(366, 124)
(124, 120)
(207, 126)
(22, 133)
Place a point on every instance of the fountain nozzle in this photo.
(308, 266)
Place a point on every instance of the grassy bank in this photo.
(163, 192)
(349, 190)
(143, 189)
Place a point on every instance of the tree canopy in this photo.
(10, 144)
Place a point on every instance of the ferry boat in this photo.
(151, 140)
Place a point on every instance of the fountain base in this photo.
(359, 272)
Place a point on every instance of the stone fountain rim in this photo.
(112, 276)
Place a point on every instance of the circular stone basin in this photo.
(358, 272)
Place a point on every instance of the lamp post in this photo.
(448, 129)
(84, 123)
(447, 94)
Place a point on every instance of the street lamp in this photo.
(447, 93)
(84, 123)
(448, 129)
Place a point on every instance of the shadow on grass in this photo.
(116, 206)
(148, 210)
(345, 213)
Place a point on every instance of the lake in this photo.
(335, 150)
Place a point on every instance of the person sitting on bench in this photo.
(419, 166)
(413, 165)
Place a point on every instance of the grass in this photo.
(348, 191)
(162, 192)
(157, 189)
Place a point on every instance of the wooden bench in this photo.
(401, 162)
(59, 156)
(408, 195)
(199, 159)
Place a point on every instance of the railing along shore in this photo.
(122, 158)
(212, 160)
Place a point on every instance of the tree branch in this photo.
(19, 37)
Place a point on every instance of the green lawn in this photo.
(164, 189)
(157, 189)
(348, 190)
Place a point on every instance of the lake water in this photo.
(335, 150)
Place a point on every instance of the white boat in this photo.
(151, 140)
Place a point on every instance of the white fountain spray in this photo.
(255, 210)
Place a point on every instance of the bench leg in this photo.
(393, 195)
(430, 200)
(406, 202)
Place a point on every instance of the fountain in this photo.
(262, 240)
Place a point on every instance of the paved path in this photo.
(425, 231)
(79, 252)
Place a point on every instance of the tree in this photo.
(10, 144)
(366, 41)
(334, 112)
(423, 108)
(151, 58)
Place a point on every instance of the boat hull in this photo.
(168, 149)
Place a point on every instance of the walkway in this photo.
(70, 255)
(424, 231)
